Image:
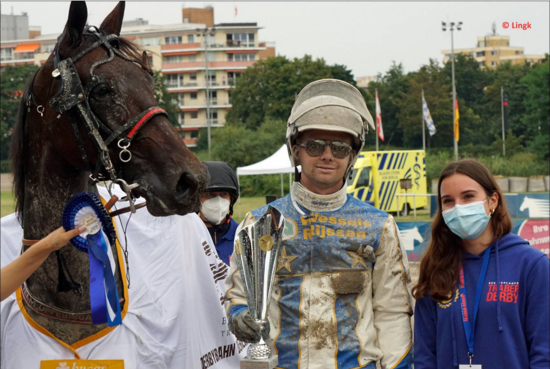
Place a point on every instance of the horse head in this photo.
(526, 203)
(106, 120)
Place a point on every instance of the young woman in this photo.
(483, 293)
(16, 272)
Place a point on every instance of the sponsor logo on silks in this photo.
(508, 292)
(444, 304)
(82, 364)
(291, 229)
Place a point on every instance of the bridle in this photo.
(73, 98)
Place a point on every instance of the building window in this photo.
(471, 55)
(481, 44)
(195, 134)
(172, 40)
(213, 97)
(194, 115)
(150, 60)
(181, 118)
(174, 80)
(493, 63)
(48, 48)
(241, 57)
(173, 59)
(211, 77)
(193, 58)
(190, 39)
(193, 96)
(232, 77)
(180, 99)
(193, 77)
(210, 56)
(480, 53)
(150, 41)
(493, 53)
(6, 54)
(211, 39)
(240, 39)
(214, 117)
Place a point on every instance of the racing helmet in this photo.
(329, 105)
(223, 178)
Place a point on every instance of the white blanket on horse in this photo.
(175, 318)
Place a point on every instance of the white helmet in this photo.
(329, 105)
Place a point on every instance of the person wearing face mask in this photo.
(217, 207)
(341, 296)
(483, 292)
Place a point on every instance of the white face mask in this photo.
(215, 210)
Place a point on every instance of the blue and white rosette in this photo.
(86, 209)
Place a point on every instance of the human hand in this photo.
(59, 238)
(246, 329)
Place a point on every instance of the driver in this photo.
(341, 296)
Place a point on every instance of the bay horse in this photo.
(88, 114)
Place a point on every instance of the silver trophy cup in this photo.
(256, 251)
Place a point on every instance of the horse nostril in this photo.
(186, 184)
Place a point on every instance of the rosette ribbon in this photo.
(85, 209)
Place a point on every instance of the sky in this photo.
(365, 36)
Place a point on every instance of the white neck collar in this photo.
(315, 202)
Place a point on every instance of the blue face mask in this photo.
(467, 221)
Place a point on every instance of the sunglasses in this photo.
(315, 148)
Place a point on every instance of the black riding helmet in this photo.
(223, 178)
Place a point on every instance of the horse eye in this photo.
(102, 91)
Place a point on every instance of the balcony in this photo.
(173, 47)
(231, 43)
(200, 65)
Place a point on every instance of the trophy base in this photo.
(260, 364)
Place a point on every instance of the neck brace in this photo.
(315, 202)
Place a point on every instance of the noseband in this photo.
(73, 97)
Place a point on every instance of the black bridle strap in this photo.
(136, 123)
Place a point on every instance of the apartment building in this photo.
(492, 50)
(201, 61)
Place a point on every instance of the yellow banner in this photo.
(82, 364)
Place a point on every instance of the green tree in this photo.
(392, 88)
(536, 102)
(165, 99)
(268, 88)
(507, 76)
(436, 86)
(239, 145)
(12, 84)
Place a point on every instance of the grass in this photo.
(7, 203)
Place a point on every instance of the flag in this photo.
(505, 108)
(379, 119)
(236, 11)
(456, 121)
(427, 117)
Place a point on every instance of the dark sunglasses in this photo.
(315, 148)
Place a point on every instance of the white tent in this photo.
(278, 163)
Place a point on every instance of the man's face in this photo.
(323, 174)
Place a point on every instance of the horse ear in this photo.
(145, 62)
(72, 34)
(113, 22)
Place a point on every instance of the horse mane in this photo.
(18, 147)
(18, 152)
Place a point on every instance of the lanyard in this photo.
(469, 329)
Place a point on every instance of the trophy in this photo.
(256, 251)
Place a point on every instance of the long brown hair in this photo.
(439, 265)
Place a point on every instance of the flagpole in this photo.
(502, 113)
(454, 93)
(423, 123)
(377, 127)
